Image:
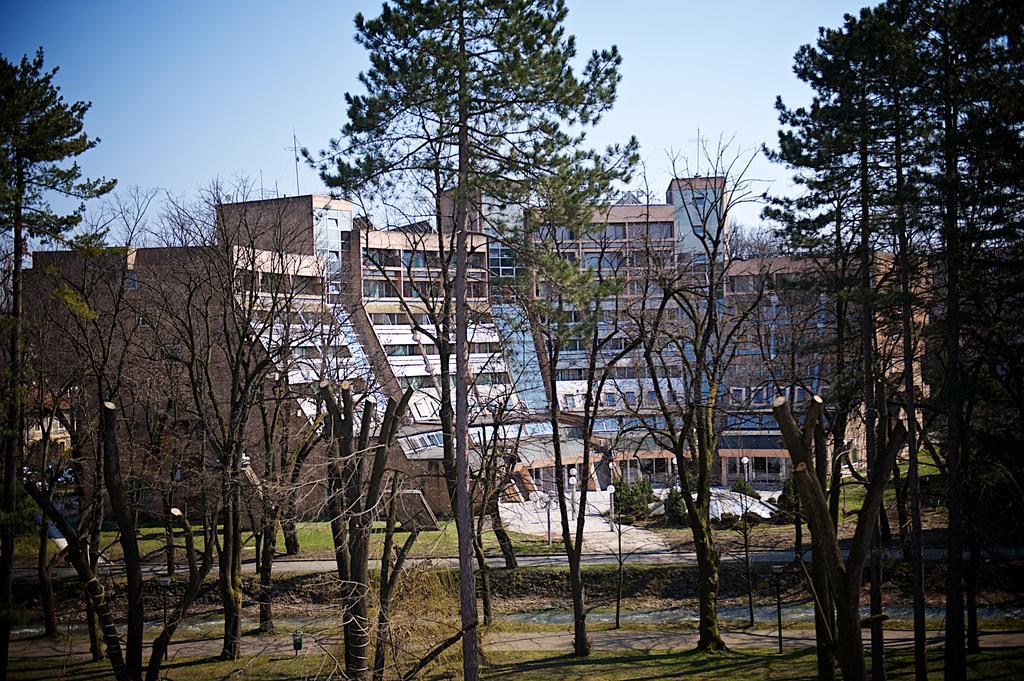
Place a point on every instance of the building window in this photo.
(496, 378)
(388, 318)
(131, 280)
(416, 382)
(383, 257)
(570, 401)
(375, 288)
(609, 399)
(630, 397)
(615, 230)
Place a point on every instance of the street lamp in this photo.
(744, 462)
(611, 499)
(777, 571)
(572, 490)
(545, 498)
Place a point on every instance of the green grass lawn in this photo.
(314, 539)
(741, 665)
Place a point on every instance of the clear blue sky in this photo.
(186, 91)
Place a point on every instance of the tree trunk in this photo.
(93, 589)
(798, 533)
(169, 537)
(357, 624)
(955, 662)
(388, 580)
(290, 531)
(708, 558)
(746, 571)
(580, 642)
(231, 561)
(824, 611)
(95, 523)
(508, 551)
(485, 578)
(844, 576)
(266, 569)
(197, 575)
(916, 558)
(14, 428)
(128, 539)
(867, 333)
(464, 514)
(849, 647)
(973, 566)
(46, 582)
(824, 616)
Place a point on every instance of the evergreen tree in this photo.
(916, 122)
(39, 132)
(476, 98)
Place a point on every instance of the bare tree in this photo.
(682, 323)
(358, 494)
(222, 290)
(807, 446)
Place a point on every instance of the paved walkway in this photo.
(600, 534)
(542, 641)
(591, 556)
(637, 641)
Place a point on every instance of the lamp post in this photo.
(744, 470)
(745, 529)
(777, 571)
(545, 498)
(572, 491)
(611, 500)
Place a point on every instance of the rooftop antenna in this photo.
(698, 140)
(295, 150)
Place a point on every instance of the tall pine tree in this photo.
(39, 133)
(476, 98)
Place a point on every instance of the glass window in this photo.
(376, 288)
(615, 230)
(413, 259)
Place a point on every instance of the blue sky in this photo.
(184, 92)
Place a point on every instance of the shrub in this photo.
(788, 503)
(744, 487)
(633, 499)
(675, 507)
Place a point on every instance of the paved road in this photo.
(666, 557)
(552, 641)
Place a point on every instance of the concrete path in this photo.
(659, 556)
(600, 534)
(679, 641)
(546, 641)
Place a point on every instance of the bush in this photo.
(633, 499)
(675, 507)
(744, 487)
(788, 503)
